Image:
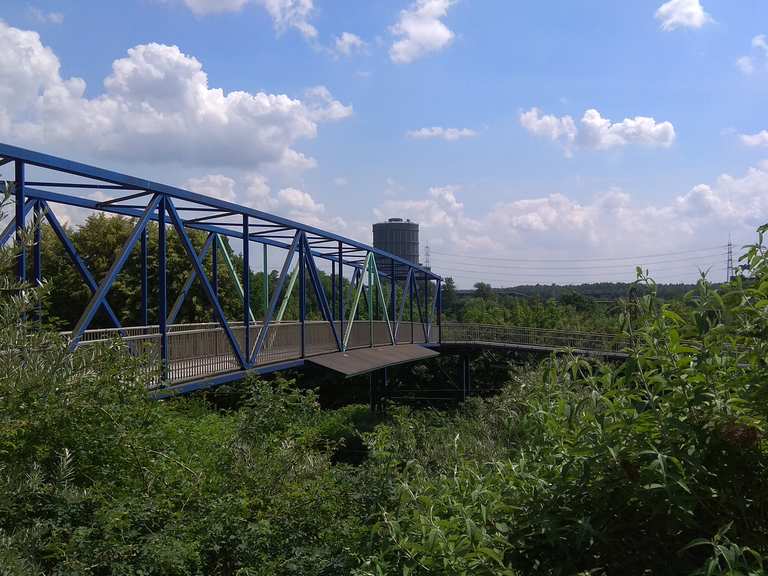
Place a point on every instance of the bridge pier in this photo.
(378, 389)
(465, 375)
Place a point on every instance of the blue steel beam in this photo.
(215, 269)
(100, 295)
(275, 297)
(302, 291)
(84, 170)
(18, 189)
(82, 269)
(162, 308)
(406, 284)
(314, 276)
(144, 280)
(190, 250)
(188, 283)
(35, 193)
(418, 306)
(341, 290)
(246, 288)
(37, 264)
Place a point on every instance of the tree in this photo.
(484, 291)
(449, 296)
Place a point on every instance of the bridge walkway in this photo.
(200, 356)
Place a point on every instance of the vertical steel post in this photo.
(21, 265)
(333, 290)
(341, 289)
(369, 295)
(266, 282)
(468, 368)
(215, 269)
(393, 290)
(410, 302)
(246, 287)
(302, 290)
(371, 392)
(37, 261)
(162, 288)
(144, 279)
(426, 302)
(439, 312)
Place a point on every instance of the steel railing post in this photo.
(21, 266)
(246, 288)
(162, 289)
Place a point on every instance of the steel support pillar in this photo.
(465, 367)
(369, 301)
(439, 297)
(393, 290)
(246, 287)
(266, 282)
(162, 308)
(37, 257)
(21, 264)
(341, 289)
(410, 303)
(215, 270)
(426, 303)
(302, 296)
(144, 280)
(333, 290)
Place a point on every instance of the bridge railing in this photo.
(202, 349)
(457, 333)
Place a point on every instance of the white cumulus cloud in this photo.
(157, 106)
(754, 140)
(420, 30)
(213, 185)
(438, 132)
(597, 133)
(45, 17)
(557, 129)
(285, 13)
(682, 14)
(747, 64)
(610, 223)
(348, 43)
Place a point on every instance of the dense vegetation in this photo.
(604, 291)
(569, 310)
(653, 465)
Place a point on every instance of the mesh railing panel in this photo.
(203, 349)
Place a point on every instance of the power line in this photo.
(600, 259)
(590, 267)
(479, 277)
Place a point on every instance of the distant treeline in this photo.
(596, 291)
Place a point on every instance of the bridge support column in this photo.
(162, 288)
(465, 375)
(378, 388)
(21, 266)
(144, 280)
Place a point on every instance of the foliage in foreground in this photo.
(656, 465)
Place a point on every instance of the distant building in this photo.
(399, 237)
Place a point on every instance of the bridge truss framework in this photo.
(145, 201)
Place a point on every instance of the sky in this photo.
(548, 142)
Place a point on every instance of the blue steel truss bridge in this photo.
(381, 310)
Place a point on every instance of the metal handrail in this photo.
(201, 349)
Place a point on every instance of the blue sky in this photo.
(542, 131)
